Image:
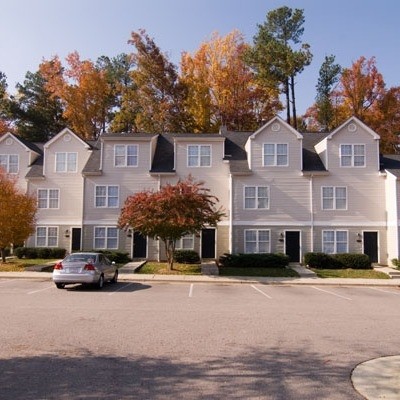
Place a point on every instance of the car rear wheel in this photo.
(115, 277)
(60, 285)
(100, 282)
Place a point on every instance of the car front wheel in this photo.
(115, 277)
(100, 282)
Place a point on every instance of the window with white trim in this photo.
(334, 242)
(199, 155)
(256, 241)
(46, 236)
(107, 196)
(66, 162)
(126, 155)
(334, 198)
(10, 163)
(185, 243)
(105, 237)
(352, 155)
(256, 197)
(48, 198)
(275, 155)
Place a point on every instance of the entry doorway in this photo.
(139, 245)
(76, 239)
(292, 245)
(370, 240)
(208, 243)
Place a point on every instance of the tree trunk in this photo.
(169, 250)
(286, 90)
(3, 254)
(293, 103)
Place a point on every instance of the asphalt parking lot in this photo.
(153, 340)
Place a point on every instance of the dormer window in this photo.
(352, 155)
(275, 155)
(199, 156)
(10, 163)
(126, 155)
(66, 162)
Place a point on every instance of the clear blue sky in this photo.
(31, 30)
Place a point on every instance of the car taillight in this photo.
(89, 267)
(58, 266)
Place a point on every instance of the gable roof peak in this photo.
(277, 120)
(356, 121)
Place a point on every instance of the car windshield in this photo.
(88, 258)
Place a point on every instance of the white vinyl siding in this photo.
(107, 196)
(66, 162)
(352, 155)
(46, 236)
(334, 198)
(256, 197)
(185, 243)
(256, 241)
(10, 163)
(199, 156)
(126, 155)
(275, 154)
(335, 242)
(105, 237)
(48, 198)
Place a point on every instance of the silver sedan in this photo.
(87, 268)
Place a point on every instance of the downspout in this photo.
(230, 212)
(311, 215)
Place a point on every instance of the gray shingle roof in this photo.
(311, 159)
(391, 163)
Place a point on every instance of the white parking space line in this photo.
(264, 294)
(191, 290)
(41, 290)
(332, 293)
(121, 288)
(384, 291)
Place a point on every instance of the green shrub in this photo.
(31, 252)
(57, 252)
(266, 260)
(186, 257)
(20, 252)
(43, 252)
(396, 262)
(337, 261)
(117, 256)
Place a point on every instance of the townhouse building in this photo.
(282, 190)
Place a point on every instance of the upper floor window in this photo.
(125, 155)
(334, 242)
(256, 197)
(106, 196)
(185, 243)
(48, 198)
(334, 198)
(352, 155)
(257, 241)
(105, 237)
(275, 154)
(10, 163)
(199, 156)
(66, 162)
(46, 236)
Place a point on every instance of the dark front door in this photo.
(292, 245)
(208, 243)
(371, 245)
(139, 245)
(76, 239)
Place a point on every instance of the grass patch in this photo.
(162, 269)
(269, 272)
(20, 265)
(350, 273)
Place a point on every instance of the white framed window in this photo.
(334, 198)
(46, 236)
(10, 163)
(107, 196)
(257, 241)
(66, 162)
(199, 155)
(334, 242)
(275, 155)
(256, 197)
(352, 155)
(105, 237)
(48, 198)
(185, 243)
(126, 155)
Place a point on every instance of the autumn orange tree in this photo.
(171, 213)
(17, 214)
(222, 89)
